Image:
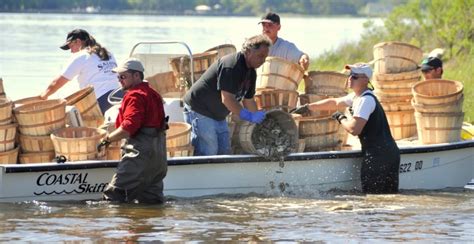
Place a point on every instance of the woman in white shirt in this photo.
(381, 156)
(91, 63)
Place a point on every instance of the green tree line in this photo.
(238, 7)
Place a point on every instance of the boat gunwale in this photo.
(182, 161)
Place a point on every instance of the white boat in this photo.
(422, 167)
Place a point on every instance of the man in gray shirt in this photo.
(282, 48)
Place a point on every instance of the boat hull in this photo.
(302, 174)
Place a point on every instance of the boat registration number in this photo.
(408, 167)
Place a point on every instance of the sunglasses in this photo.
(123, 77)
(355, 76)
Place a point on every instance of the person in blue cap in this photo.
(432, 68)
(381, 157)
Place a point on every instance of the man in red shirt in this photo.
(141, 120)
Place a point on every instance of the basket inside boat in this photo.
(85, 102)
(41, 117)
(178, 134)
(78, 143)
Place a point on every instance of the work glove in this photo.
(255, 117)
(338, 116)
(300, 110)
(103, 143)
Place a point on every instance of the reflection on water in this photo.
(444, 216)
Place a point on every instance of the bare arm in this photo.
(328, 104)
(304, 61)
(54, 86)
(354, 125)
(118, 134)
(228, 99)
(250, 104)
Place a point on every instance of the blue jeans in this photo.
(208, 136)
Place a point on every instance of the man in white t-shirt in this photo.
(282, 48)
(381, 156)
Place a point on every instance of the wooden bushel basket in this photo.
(6, 108)
(395, 84)
(36, 143)
(439, 127)
(223, 50)
(396, 106)
(452, 107)
(325, 83)
(114, 150)
(402, 124)
(318, 133)
(400, 91)
(7, 137)
(182, 69)
(178, 134)
(392, 65)
(398, 49)
(276, 99)
(182, 151)
(284, 120)
(166, 84)
(403, 77)
(392, 98)
(437, 91)
(9, 157)
(279, 74)
(85, 102)
(27, 100)
(36, 157)
(93, 122)
(2, 91)
(41, 118)
(78, 143)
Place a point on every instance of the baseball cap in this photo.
(360, 68)
(129, 64)
(431, 63)
(270, 18)
(73, 35)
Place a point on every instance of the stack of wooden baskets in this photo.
(277, 82)
(318, 129)
(2, 91)
(85, 102)
(438, 105)
(8, 151)
(395, 72)
(178, 140)
(37, 120)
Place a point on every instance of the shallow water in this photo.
(441, 216)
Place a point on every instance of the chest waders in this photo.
(381, 156)
(140, 177)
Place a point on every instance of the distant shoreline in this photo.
(173, 13)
